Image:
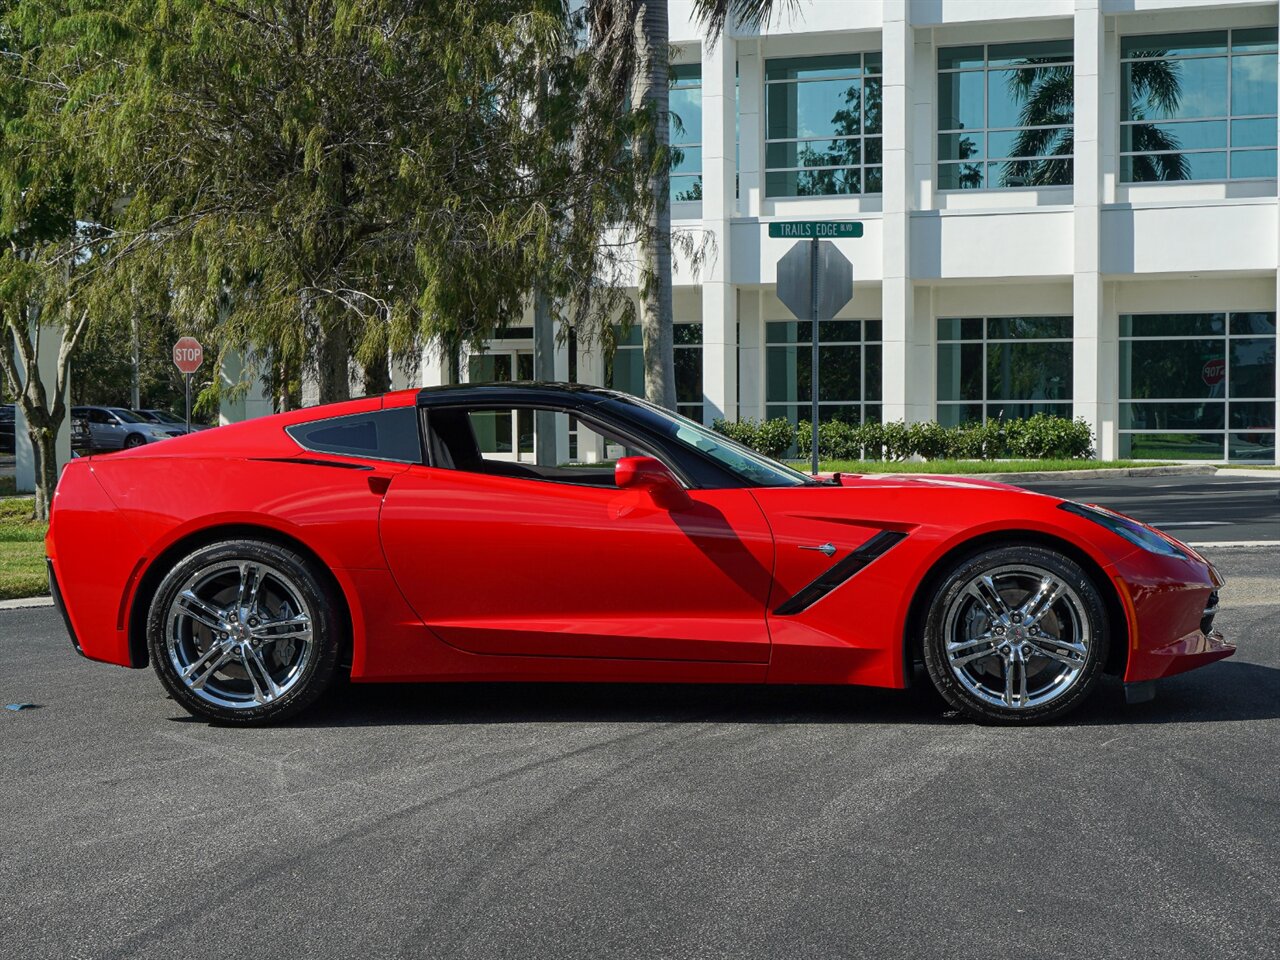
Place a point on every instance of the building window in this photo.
(1198, 106)
(822, 125)
(1003, 368)
(626, 369)
(1198, 386)
(1005, 115)
(686, 133)
(849, 370)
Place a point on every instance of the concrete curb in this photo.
(24, 603)
(1040, 475)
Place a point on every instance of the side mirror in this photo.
(652, 475)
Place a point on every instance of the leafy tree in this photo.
(371, 168)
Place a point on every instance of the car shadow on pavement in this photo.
(1222, 692)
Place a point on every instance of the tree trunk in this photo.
(334, 359)
(45, 445)
(377, 376)
(650, 89)
(544, 369)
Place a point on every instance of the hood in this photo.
(888, 481)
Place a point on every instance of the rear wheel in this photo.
(134, 440)
(1016, 634)
(244, 632)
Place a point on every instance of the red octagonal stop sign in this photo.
(188, 355)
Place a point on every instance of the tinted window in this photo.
(126, 416)
(380, 434)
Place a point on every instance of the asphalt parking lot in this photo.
(598, 821)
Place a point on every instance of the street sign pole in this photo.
(188, 403)
(813, 347)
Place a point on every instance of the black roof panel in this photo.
(516, 393)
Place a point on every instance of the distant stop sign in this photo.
(1214, 371)
(188, 355)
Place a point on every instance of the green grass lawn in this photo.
(970, 466)
(22, 569)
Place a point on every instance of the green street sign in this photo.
(815, 229)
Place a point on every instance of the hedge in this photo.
(1040, 437)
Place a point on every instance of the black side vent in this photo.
(838, 573)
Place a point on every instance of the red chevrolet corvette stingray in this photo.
(556, 532)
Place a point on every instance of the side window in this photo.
(378, 435)
(532, 443)
(98, 416)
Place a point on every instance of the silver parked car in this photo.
(170, 420)
(115, 428)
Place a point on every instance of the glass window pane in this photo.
(951, 57)
(811, 183)
(953, 328)
(628, 372)
(1253, 164)
(1253, 323)
(1259, 38)
(1172, 324)
(1174, 166)
(954, 414)
(837, 331)
(1030, 173)
(823, 108)
(783, 374)
(1174, 44)
(1025, 328)
(1171, 446)
(1205, 415)
(688, 161)
(785, 331)
(1170, 369)
(1033, 142)
(871, 103)
(813, 153)
(686, 115)
(959, 371)
(1012, 54)
(1029, 371)
(1175, 89)
(493, 430)
(808, 68)
(1197, 135)
(688, 362)
(684, 74)
(1253, 368)
(1253, 133)
(1252, 446)
(872, 331)
(960, 98)
(960, 176)
(1253, 415)
(961, 146)
(489, 368)
(839, 373)
(874, 177)
(874, 365)
(687, 189)
(688, 334)
(1253, 85)
(873, 62)
(871, 149)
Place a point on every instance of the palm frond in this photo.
(714, 15)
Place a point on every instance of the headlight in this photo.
(1136, 533)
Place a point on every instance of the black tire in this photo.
(176, 637)
(134, 440)
(1067, 665)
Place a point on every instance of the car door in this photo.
(511, 563)
(106, 430)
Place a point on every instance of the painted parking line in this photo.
(1217, 544)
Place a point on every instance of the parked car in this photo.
(172, 420)
(115, 428)
(249, 565)
(7, 441)
(81, 438)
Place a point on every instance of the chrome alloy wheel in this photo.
(1017, 636)
(239, 634)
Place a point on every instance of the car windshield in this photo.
(163, 416)
(753, 467)
(126, 416)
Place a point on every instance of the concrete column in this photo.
(434, 369)
(750, 127)
(1277, 309)
(1095, 391)
(238, 369)
(47, 341)
(751, 369)
(719, 301)
(921, 353)
(897, 297)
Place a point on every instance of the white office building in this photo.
(1069, 206)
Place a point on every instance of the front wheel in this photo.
(244, 632)
(1016, 634)
(134, 440)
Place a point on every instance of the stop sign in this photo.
(1214, 371)
(188, 355)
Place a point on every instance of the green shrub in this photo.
(771, 437)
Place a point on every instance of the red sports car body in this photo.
(514, 532)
